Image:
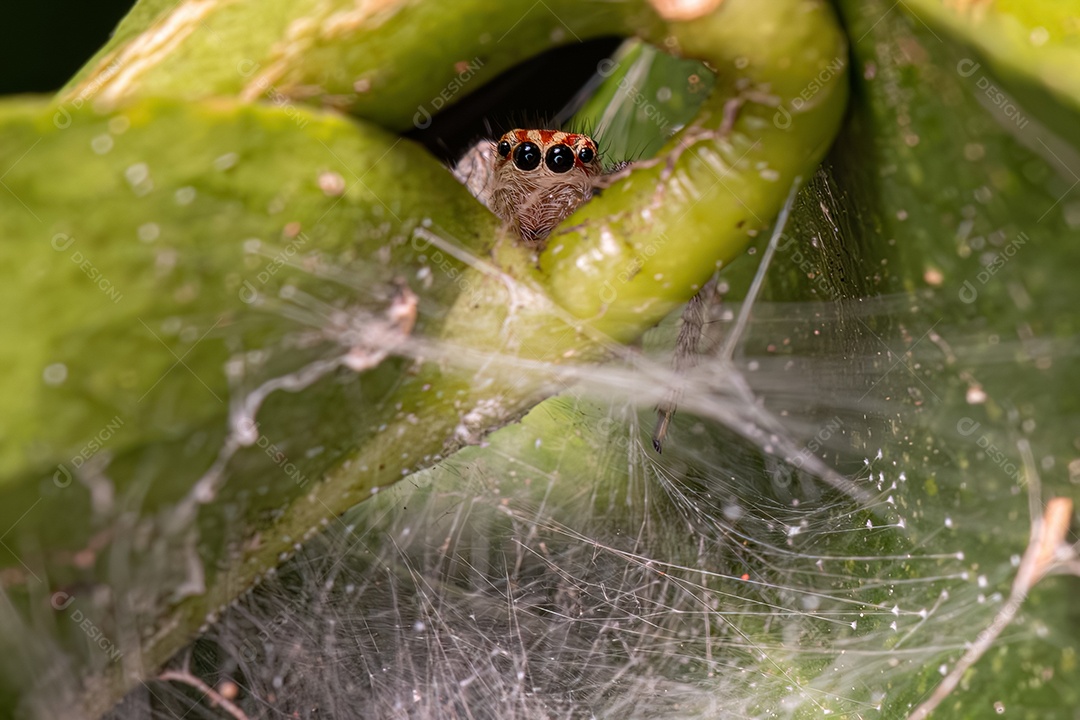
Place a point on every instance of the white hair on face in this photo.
(532, 201)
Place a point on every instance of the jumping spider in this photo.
(533, 180)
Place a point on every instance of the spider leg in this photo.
(687, 349)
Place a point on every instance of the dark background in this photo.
(43, 42)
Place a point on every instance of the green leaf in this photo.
(1031, 49)
(238, 319)
(916, 329)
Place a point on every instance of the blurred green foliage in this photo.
(134, 232)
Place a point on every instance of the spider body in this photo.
(532, 179)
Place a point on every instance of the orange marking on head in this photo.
(536, 199)
(546, 139)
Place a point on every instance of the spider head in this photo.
(548, 152)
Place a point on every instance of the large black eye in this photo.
(586, 155)
(527, 156)
(559, 159)
(503, 149)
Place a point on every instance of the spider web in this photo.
(562, 568)
(565, 569)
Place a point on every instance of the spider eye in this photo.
(559, 159)
(503, 149)
(586, 155)
(527, 156)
